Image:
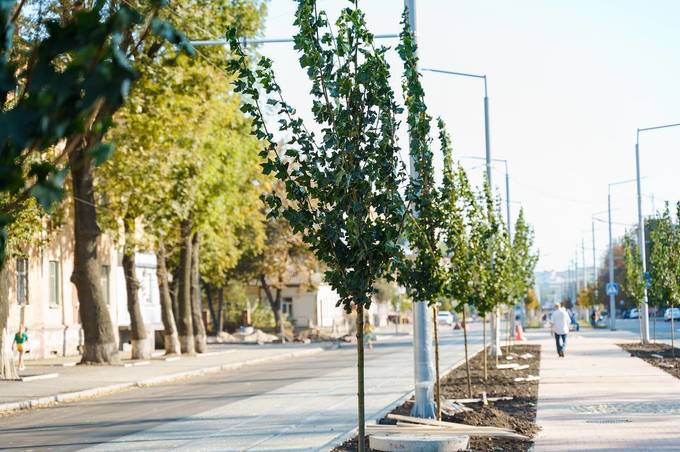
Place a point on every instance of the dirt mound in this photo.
(491, 416)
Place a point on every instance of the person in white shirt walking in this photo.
(559, 324)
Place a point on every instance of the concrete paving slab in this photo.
(600, 398)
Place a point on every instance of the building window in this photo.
(54, 284)
(104, 282)
(146, 286)
(22, 281)
(287, 306)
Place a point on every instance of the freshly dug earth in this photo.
(645, 351)
(518, 414)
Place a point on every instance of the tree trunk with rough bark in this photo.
(8, 370)
(100, 341)
(141, 345)
(211, 306)
(170, 336)
(220, 310)
(275, 305)
(185, 319)
(196, 305)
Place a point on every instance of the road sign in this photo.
(648, 280)
(612, 289)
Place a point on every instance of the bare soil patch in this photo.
(659, 355)
(518, 414)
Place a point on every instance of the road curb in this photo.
(67, 397)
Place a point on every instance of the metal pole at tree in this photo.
(422, 326)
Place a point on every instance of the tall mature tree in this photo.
(186, 166)
(64, 95)
(344, 187)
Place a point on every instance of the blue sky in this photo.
(569, 83)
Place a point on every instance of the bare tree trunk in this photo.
(672, 330)
(196, 305)
(437, 387)
(170, 336)
(486, 367)
(141, 346)
(211, 307)
(360, 379)
(274, 304)
(174, 291)
(100, 340)
(220, 315)
(279, 305)
(467, 360)
(8, 370)
(185, 320)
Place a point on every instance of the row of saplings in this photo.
(344, 178)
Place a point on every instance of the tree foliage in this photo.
(634, 280)
(61, 97)
(422, 272)
(342, 185)
(665, 258)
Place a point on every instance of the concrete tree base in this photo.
(430, 442)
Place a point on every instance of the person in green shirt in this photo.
(21, 339)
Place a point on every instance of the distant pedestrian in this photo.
(20, 339)
(369, 334)
(559, 324)
(572, 317)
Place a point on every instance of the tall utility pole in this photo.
(595, 275)
(612, 295)
(585, 271)
(424, 405)
(576, 276)
(644, 315)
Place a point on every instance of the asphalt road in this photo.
(307, 403)
(663, 329)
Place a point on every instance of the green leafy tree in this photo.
(664, 258)
(186, 170)
(461, 219)
(633, 280)
(422, 273)
(57, 107)
(342, 184)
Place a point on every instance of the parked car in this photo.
(634, 314)
(674, 312)
(446, 318)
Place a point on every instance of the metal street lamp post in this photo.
(495, 316)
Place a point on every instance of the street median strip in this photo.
(67, 397)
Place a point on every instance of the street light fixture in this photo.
(495, 316)
(487, 131)
(507, 188)
(644, 324)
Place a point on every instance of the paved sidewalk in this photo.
(601, 398)
(79, 382)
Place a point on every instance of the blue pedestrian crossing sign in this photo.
(612, 289)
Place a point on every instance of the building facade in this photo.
(42, 298)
